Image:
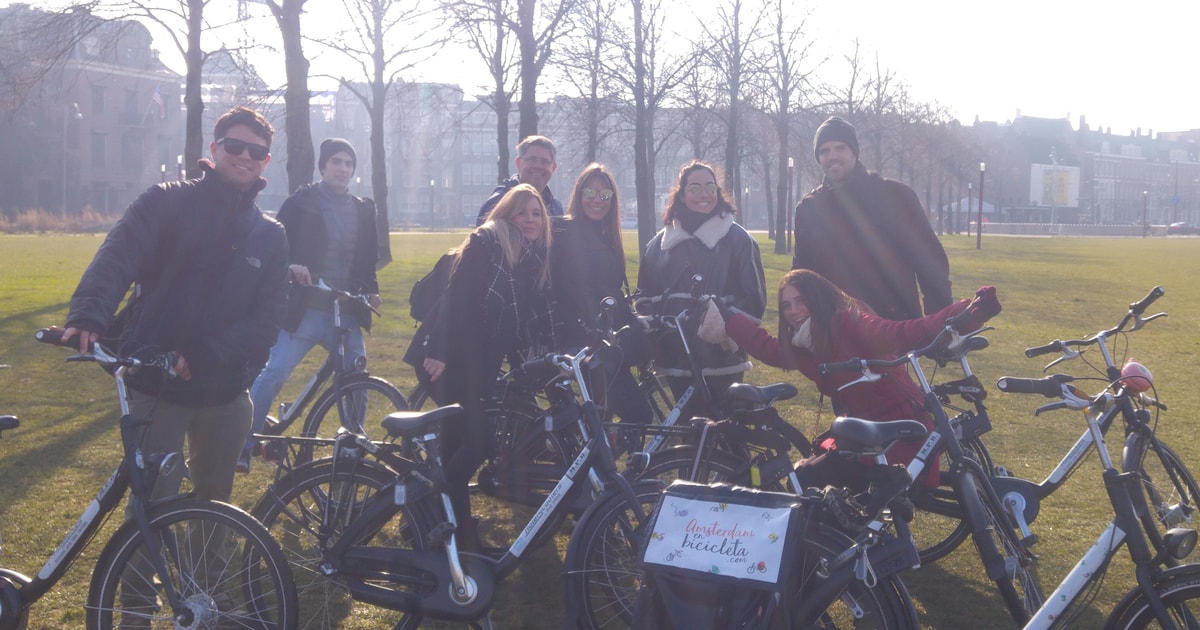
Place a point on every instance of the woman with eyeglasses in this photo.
(700, 237)
(587, 261)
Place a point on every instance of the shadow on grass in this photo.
(28, 461)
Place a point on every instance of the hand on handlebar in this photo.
(984, 307)
(300, 274)
(86, 337)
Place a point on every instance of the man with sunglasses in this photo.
(536, 164)
(209, 273)
(331, 235)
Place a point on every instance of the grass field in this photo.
(1051, 288)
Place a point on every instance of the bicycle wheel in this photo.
(1179, 589)
(1005, 559)
(714, 466)
(306, 511)
(603, 565)
(224, 565)
(937, 524)
(886, 605)
(360, 406)
(1171, 491)
(418, 397)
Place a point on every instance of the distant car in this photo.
(1180, 227)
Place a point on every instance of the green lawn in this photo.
(1051, 288)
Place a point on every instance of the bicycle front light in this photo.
(1179, 542)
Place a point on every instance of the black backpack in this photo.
(425, 293)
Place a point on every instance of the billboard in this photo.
(1054, 185)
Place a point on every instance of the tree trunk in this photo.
(193, 146)
(378, 152)
(642, 166)
(296, 98)
(526, 11)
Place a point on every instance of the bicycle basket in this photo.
(716, 557)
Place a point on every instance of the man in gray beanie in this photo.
(331, 237)
(869, 235)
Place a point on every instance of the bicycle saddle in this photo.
(409, 424)
(764, 395)
(853, 434)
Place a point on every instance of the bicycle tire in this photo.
(884, 606)
(293, 510)
(1179, 589)
(603, 573)
(937, 525)
(418, 397)
(1171, 491)
(1005, 559)
(714, 466)
(244, 580)
(360, 405)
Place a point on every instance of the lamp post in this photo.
(162, 169)
(1145, 213)
(432, 183)
(979, 224)
(746, 207)
(358, 186)
(789, 210)
(970, 202)
(179, 164)
(71, 113)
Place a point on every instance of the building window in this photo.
(97, 99)
(99, 148)
(131, 150)
(131, 102)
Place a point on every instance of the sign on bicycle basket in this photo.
(721, 531)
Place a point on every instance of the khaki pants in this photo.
(214, 439)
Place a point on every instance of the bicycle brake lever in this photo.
(1139, 322)
(867, 377)
(1066, 355)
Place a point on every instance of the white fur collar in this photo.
(709, 232)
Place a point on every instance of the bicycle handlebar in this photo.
(100, 354)
(1048, 386)
(1134, 314)
(361, 298)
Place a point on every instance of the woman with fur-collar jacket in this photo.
(700, 237)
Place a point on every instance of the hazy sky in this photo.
(1123, 66)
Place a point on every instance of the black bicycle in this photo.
(352, 397)
(178, 562)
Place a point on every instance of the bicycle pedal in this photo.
(1002, 471)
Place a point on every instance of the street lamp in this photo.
(162, 169)
(1145, 213)
(979, 225)
(746, 207)
(179, 164)
(789, 210)
(432, 183)
(71, 113)
(970, 202)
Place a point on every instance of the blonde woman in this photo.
(496, 304)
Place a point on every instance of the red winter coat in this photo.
(864, 336)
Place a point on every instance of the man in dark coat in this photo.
(536, 163)
(869, 235)
(211, 281)
(331, 234)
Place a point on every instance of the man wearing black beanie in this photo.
(869, 235)
(331, 237)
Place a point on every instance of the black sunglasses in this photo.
(233, 146)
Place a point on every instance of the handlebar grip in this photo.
(1048, 386)
(851, 364)
(1053, 346)
(536, 364)
(1139, 307)
(51, 336)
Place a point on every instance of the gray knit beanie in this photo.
(335, 145)
(835, 128)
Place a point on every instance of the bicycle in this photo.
(1006, 560)
(1170, 487)
(372, 524)
(351, 393)
(1170, 596)
(210, 563)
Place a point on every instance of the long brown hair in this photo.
(724, 203)
(824, 301)
(611, 222)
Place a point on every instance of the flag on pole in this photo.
(157, 97)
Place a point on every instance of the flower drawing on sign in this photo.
(773, 537)
(658, 536)
(678, 512)
(715, 569)
(678, 553)
(720, 507)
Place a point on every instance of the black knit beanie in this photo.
(835, 128)
(335, 145)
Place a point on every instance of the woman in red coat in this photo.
(819, 323)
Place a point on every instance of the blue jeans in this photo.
(289, 350)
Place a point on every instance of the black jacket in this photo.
(212, 277)
(552, 205)
(586, 268)
(308, 239)
(871, 237)
(729, 260)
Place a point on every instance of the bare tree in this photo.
(586, 63)
(537, 29)
(738, 27)
(374, 25)
(481, 24)
(297, 124)
(650, 75)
